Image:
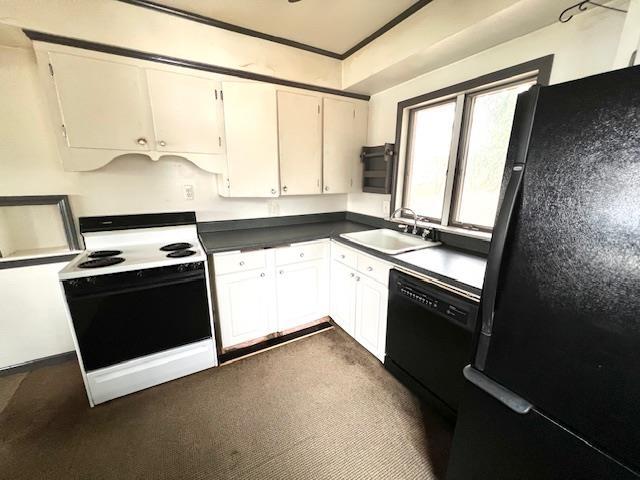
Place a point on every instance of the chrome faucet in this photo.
(404, 227)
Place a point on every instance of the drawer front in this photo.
(301, 252)
(373, 268)
(344, 255)
(239, 261)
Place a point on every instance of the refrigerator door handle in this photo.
(522, 133)
(497, 391)
(494, 262)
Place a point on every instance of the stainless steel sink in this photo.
(388, 241)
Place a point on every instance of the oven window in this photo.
(126, 323)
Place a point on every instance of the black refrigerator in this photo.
(553, 391)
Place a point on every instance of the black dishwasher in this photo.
(429, 339)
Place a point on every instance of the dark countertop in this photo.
(449, 265)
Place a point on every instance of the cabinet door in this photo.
(187, 112)
(245, 306)
(104, 105)
(302, 293)
(360, 140)
(371, 315)
(343, 297)
(339, 147)
(300, 143)
(251, 130)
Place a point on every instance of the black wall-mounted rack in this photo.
(377, 168)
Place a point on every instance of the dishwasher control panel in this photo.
(430, 301)
(419, 297)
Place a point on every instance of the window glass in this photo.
(481, 168)
(428, 159)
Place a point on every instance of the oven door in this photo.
(127, 315)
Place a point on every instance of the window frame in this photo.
(539, 69)
(409, 158)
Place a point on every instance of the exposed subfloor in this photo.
(318, 408)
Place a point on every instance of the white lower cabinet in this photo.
(359, 297)
(301, 293)
(261, 292)
(246, 309)
(343, 297)
(371, 315)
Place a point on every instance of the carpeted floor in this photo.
(318, 408)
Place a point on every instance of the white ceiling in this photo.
(334, 25)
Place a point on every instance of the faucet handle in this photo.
(403, 227)
(425, 233)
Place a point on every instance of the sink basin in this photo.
(388, 241)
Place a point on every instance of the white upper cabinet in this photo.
(103, 104)
(187, 113)
(344, 131)
(251, 130)
(107, 107)
(300, 143)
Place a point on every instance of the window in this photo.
(428, 158)
(483, 154)
(453, 155)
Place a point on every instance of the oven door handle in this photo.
(137, 287)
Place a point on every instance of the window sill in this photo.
(33, 259)
(485, 236)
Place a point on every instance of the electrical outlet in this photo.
(386, 207)
(189, 193)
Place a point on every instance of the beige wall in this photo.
(27, 229)
(584, 46)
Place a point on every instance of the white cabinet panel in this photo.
(301, 293)
(343, 297)
(371, 315)
(374, 268)
(246, 309)
(301, 252)
(343, 254)
(232, 262)
(344, 134)
(251, 130)
(104, 105)
(300, 143)
(187, 113)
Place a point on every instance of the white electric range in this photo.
(139, 303)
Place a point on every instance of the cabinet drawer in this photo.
(373, 268)
(301, 252)
(344, 255)
(239, 261)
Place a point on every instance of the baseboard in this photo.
(272, 342)
(37, 363)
